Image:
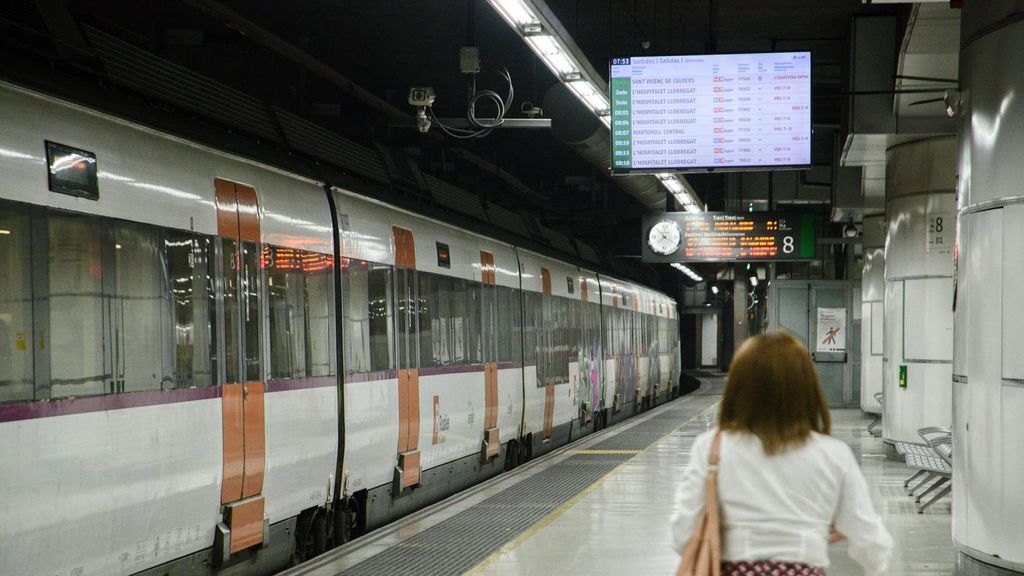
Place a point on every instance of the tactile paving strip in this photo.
(455, 545)
(643, 434)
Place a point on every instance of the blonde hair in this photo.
(773, 392)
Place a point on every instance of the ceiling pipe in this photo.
(587, 136)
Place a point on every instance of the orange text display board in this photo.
(735, 237)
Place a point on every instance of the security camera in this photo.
(421, 96)
(951, 99)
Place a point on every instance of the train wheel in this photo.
(344, 519)
(511, 455)
(318, 533)
(310, 535)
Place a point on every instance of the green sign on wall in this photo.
(903, 375)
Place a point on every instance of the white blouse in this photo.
(780, 507)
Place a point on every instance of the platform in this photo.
(602, 506)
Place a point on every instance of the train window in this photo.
(107, 307)
(488, 318)
(434, 343)
(320, 333)
(474, 308)
(232, 310)
(529, 327)
(251, 309)
(300, 297)
(568, 341)
(443, 343)
(406, 290)
(425, 310)
(592, 341)
(459, 322)
(139, 313)
(17, 345)
(79, 365)
(555, 339)
(509, 329)
(381, 337)
(575, 326)
(190, 262)
(368, 314)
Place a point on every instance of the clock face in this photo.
(664, 237)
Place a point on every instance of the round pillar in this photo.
(920, 178)
(872, 305)
(988, 358)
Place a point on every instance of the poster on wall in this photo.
(831, 330)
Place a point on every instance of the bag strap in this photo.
(716, 444)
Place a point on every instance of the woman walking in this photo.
(786, 488)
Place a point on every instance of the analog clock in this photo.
(664, 237)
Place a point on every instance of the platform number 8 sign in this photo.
(787, 245)
(938, 240)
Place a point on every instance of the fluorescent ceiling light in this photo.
(684, 199)
(680, 191)
(685, 270)
(674, 186)
(552, 54)
(589, 95)
(693, 208)
(515, 12)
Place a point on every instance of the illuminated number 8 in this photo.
(787, 245)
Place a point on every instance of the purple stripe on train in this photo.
(103, 403)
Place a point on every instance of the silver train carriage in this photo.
(209, 365)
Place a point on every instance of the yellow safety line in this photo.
(554, 515)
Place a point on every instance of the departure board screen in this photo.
(711, 112)
(728, 236)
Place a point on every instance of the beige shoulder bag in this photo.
(703, 553)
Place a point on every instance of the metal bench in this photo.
(905, 448)
(934, 461)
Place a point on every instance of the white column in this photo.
(920, 178)
(988, 358)
(872, 304)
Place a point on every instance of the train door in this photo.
(407, 474)
(240, 348)
(489, 337)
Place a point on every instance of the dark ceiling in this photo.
(387, 46)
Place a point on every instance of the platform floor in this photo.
(602, 506)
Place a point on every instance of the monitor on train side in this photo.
(711, 112)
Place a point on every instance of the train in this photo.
(211, 365)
